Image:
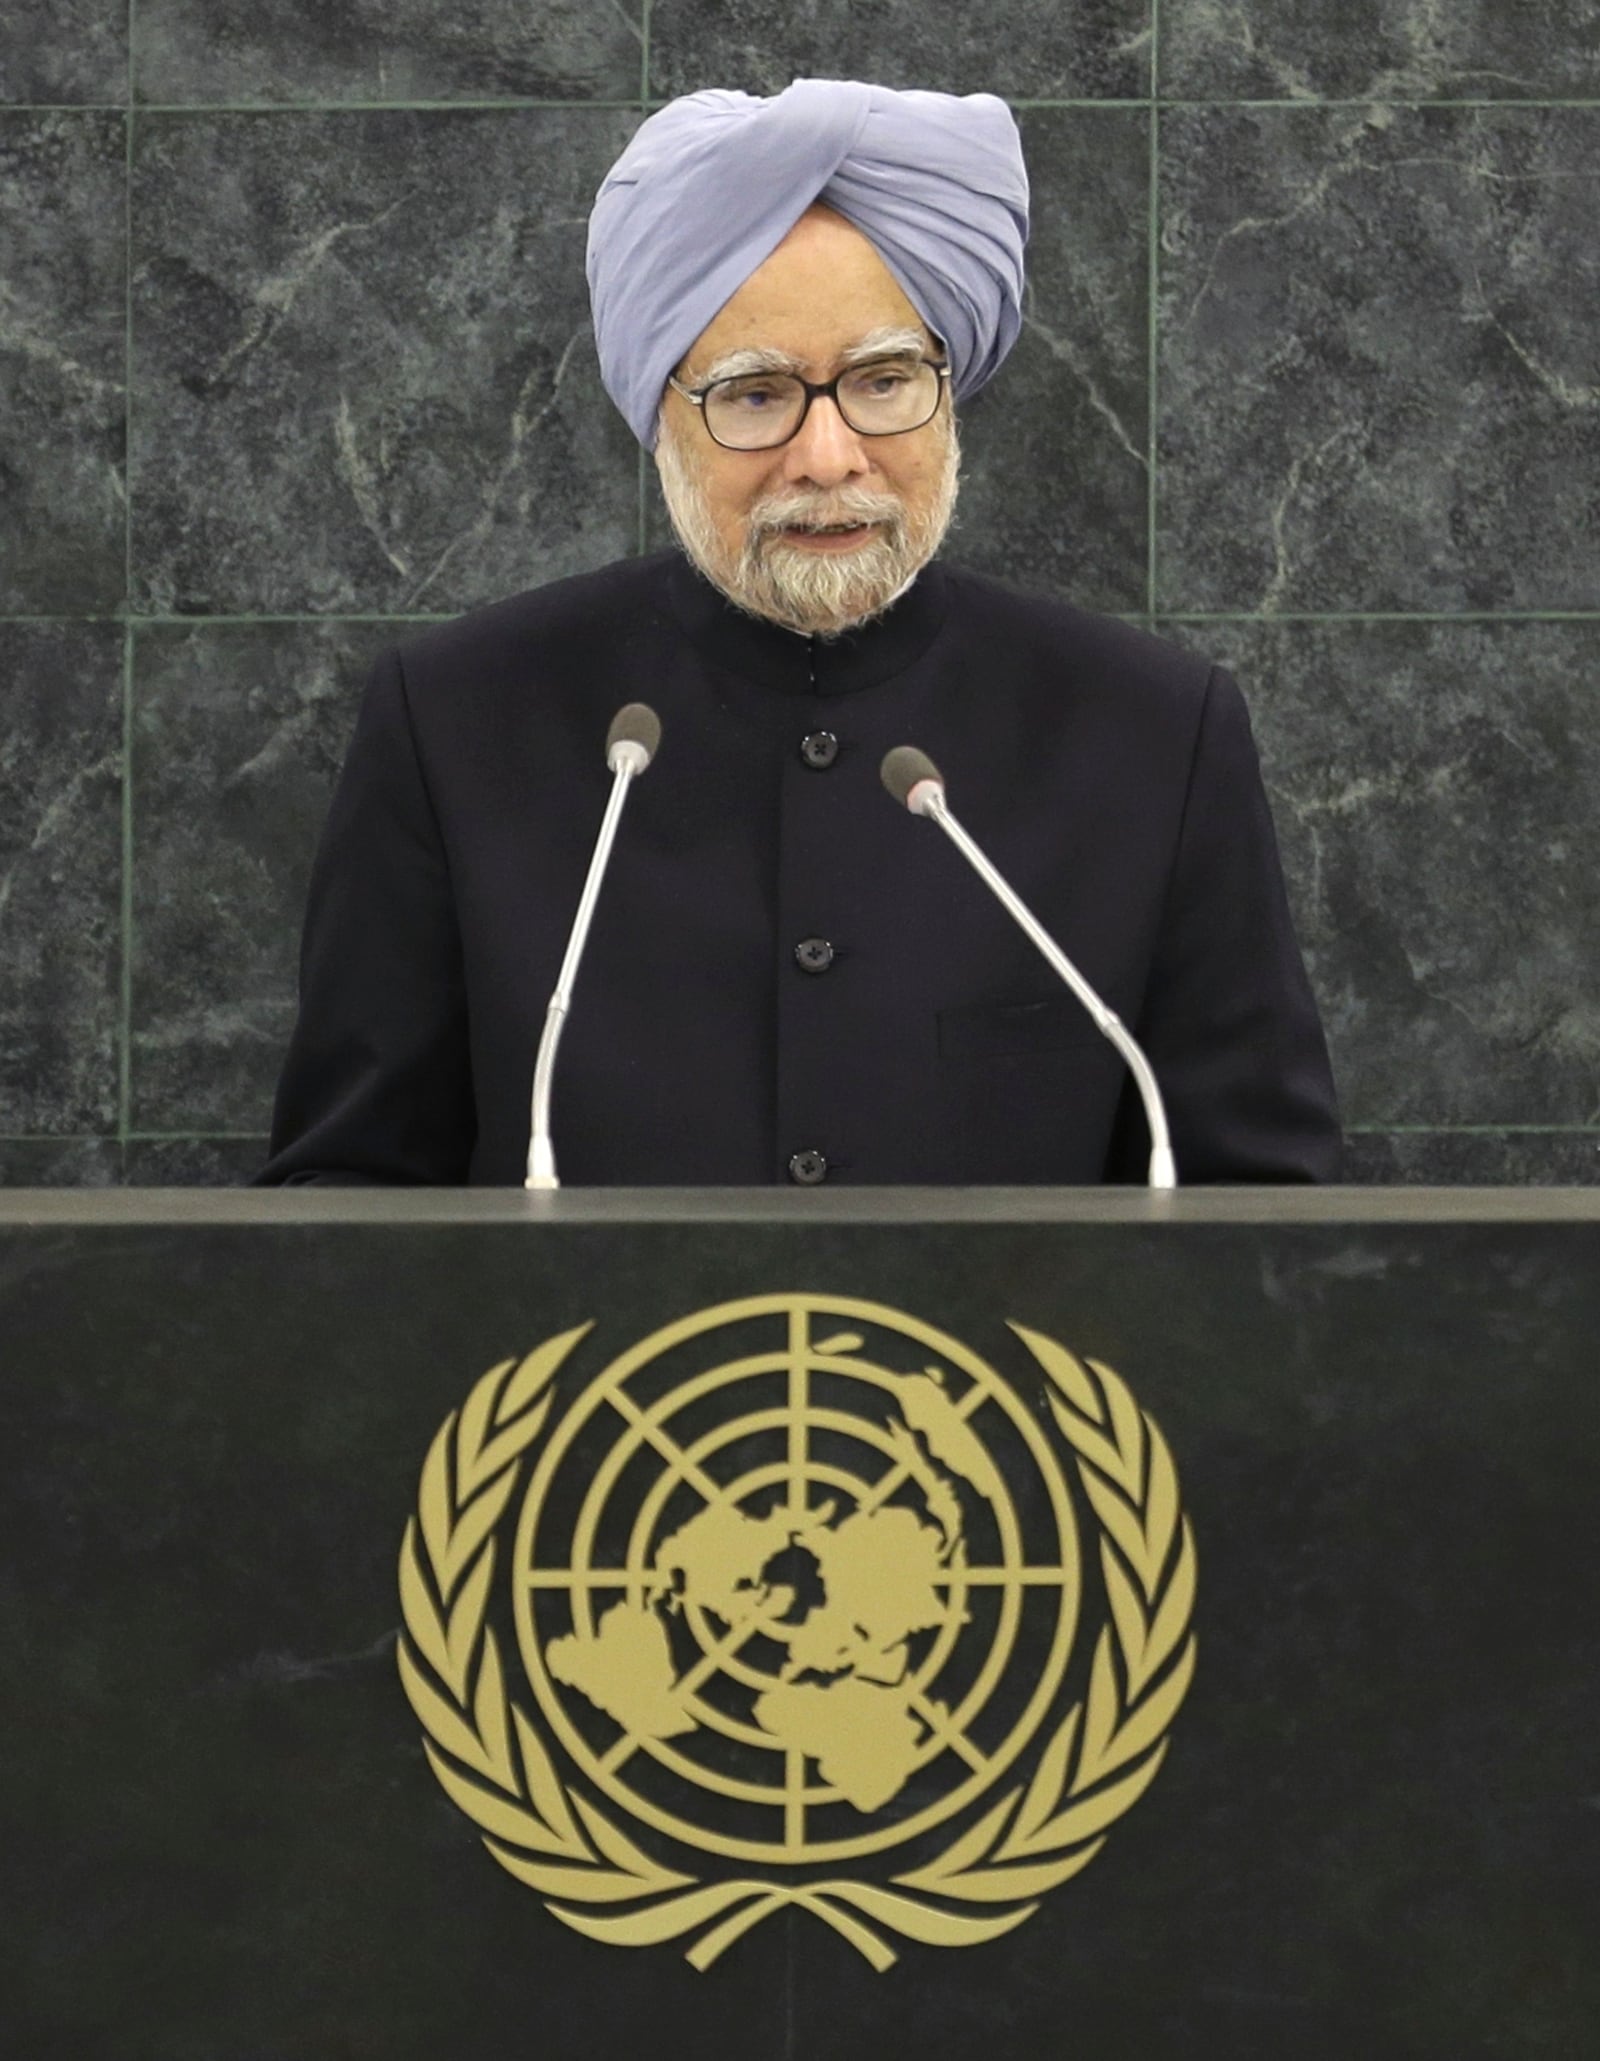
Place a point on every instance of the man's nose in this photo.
(825, 449)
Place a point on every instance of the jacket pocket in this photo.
(997, 1030)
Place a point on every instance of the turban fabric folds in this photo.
(711, 185)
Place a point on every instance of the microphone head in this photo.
(633, 738)
(905, 771)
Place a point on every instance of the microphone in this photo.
(914, 780)
(631, 744)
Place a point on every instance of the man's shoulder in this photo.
(616, 605)
(1094, 652)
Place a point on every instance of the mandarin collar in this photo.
(771, 656)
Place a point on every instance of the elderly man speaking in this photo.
(790, 979)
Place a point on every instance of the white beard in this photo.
(816, 593)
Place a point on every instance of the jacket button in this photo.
(806, 1169)
(819, 750)
(813, 955)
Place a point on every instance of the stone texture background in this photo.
(294, 353)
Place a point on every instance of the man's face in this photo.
(749, 519)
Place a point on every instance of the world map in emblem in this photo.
(796, 1578)
(796, 1581)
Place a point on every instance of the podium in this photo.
(817, 1625)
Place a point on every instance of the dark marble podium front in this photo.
(1377, 1833)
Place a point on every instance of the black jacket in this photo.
(1112, 778)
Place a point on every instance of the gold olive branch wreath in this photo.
(494, 1767)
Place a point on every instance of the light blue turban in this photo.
(711, 185)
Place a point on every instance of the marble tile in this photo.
(239, 733)
(141, 1163)
(366, 378)
(657, 523)
(1475, 1159)
(202, 51)
(1379, 383)
(1379, 50)
(1023, 49)
(192, 1162)
(1433, 786)
(63, 327)
(63, 52)
(60, 876)
(59, 1162)
(1053, 471)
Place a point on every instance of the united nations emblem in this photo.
(794, 1585)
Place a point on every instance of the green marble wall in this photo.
(293, 355)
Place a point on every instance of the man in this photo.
(788, 978)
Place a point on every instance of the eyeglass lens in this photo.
(765, 408)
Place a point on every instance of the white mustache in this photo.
(877, 509)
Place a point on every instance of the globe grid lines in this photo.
(620, 1577)
(720, 1650)
(753, 1483)
(683, 1465)
(585, 1583)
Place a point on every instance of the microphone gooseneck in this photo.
(916, 783)
(631, 744)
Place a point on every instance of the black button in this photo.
(813, 955)
(806, 1169)
(819, 750)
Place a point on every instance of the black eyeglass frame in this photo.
(697, 397)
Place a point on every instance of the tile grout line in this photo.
(125, 981)
(1152, 340)
(1397, 615)
(1382, 1130)
(198, 1137)
(1361, 1130)
(510, 105)
(1169, 615)
(513, 106)
(643, 531)
(201, 622)
(133, 1138)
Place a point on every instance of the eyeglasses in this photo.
(760, 410)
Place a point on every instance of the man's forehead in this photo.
(884, 339)
(818, 294)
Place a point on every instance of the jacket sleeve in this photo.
(377, 1088)
(1229, 1020)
